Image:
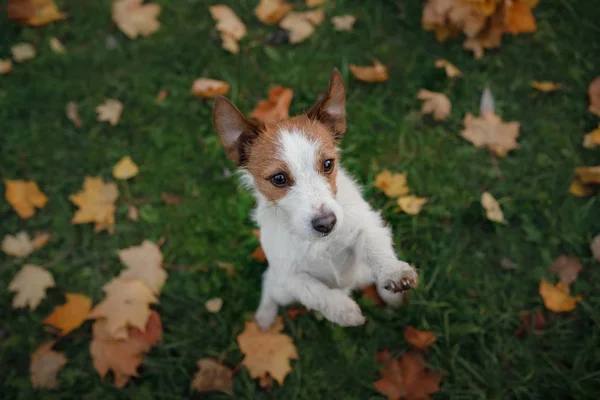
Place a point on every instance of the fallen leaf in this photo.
(72, 111)
(392, 184)
(268, 351)
(110, 111)
(531, 323)
(96, 204)
(301, 25)
(133, 19)
(231, 27)
(518, 17)
(276, 108)
(594, 95)
(5, 66)
(411, 204)
(34, 12)
(126, 304)
(209, 88)
(546, 86)
(212, 377)
(266, 382)
(556, 298)
(343, 23)
(144, 263)
(19, 245)
(22, 52)
(578, 189)
(592, 139)
(259, 254)
(588, 174)
(406, 377)
(451, 70)
(70, 315)
(214, 305)
(595, 247)
(271, 11)
(44, 365)
(24, 197)
(228, 267)
(315, 3)
(152, 334)
(419, 339)
(493, 212)
(133, 214)
(41, 239)
(370, 292)
(435, 103)
(567, 268)
(171, 199)
(56, 46)
(30, 285)
(489, 131)
(294, 313)
(161, 95)
(507, 263)
(125, 169)
(375, 73)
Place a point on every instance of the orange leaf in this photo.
(231, 27)
(578, 189)
(294, 313)
(531, 322)
(545, 86)
(34, 12)
(556, 298)
(134, 18)
(419, 339)
(518, 17)
(451, 70)
(5, 66)
(276, 107)
(594, 95)
(392, 184)
(375, 73)
(437, 104)
(370, 292)
(70, 315)
(588, 174)
(271, 11)
(24, 197)
(44, 365)
(212, 377)
(259, 254)
(209, 88)
(153, 332)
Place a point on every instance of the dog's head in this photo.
(292, 164)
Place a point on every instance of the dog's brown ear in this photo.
(236, 131)
(331, 109)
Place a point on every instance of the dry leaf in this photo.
(419, 339)
(406, 377)
(546, 86)
(451, 70)
(435, 103)
(144, 262)
(393, 185)
(231, 27)
(228, 267)
(595, 247)
(126, 304)
(411, 204)
(489, 131)
(212, 377)
(592, 139)
(70, 315)
(271, 11)
(34, 12)
(56, 46)
(152, 333)
(531, 323)
(125, 169)
(24, 197)
(19, 245)
(209, 88)
(370, 292)
(556, 298)
(588, 174)
(22, 52)
(294, 313)
(135, 19)
(259, 254)
(161, 95)
(133, 214)
(302, 24)
(493, 212)
(110, 111)
(594, 95)
(96, 204)
(41, 239)
(30, 285)
(72, 111)
(315, 3)
(518, 17)
(267, 352)
(376, 73)
(343, 22)
(567, 268)
(45, 365)
(276, 108)
(578, 189)
(5, 66)
(171, 199)
(214, 305)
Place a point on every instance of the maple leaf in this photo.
(411, 204)
(144, 263)
(125, 169)
(392, 184)
(110, 111)
(579, 189)
(595, 247)
(493, 212)
(343, 23)
(24, 197)
(276, 108)
(301, 25)
(212, 377)
(214, 305)
(20, 245)
(546, 86)
(489, 131)
(271, 11)
(56, 46)
(375, 73)
(72, 112)
(588, 174)
(209, 88)
(592, 139)
(557, 298)
(268, 351)
(406, 377)
(594, 95)
(419, 339)
(370, 292)
(96, 204)
(152, 333)
(22, 52)
(70, 315)
(567, 268)
(45, 365)
(135, 19)
(126, 304)
(34, 12)
(531, 322)
(451, 70)
(435, 103)
(30, 285)
(5, 66)
(259, 254)
(231, 27)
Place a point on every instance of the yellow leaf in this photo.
(588, 174)
(411, 204)
(209, 88)
(110, 111)
(451, 70)
(70, 315)
(592, 139)
(34, 12)
(214, 305)
(30, 285)
(212, 377)
(594, 95)
(276, 108)
(125, 169)
(518, 17)
(271, 11)
(22, 52)
(375, 73)
(556, 298)
(231, 27)
(393, 185)
(56, 46)
(302, 24)
(144, 263)
(493, 212)
(489, 131)
(315, 3)
(437, 104)
(135, 19)
(5, 66)
(578, 189)
(546, 86)
(24, 197)
(96, 204)
(44, 366)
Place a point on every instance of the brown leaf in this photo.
(70, 315)
(567, 268)
(595, 247)
(419, 339)
(271, 11)
(24, 197)
(214, 305)
(209, 88)
(315, 3)
(493, 212)
(546, 86)
(34, 12)
(45, 365)
(5, 66)
(276, 108)
(370, 292)
(171, 198)
(489, 131)
(588, 174)
(259, 254)
(294, 313)
(556, 298)
(392, 184)
(231, 27)
(72, 111)
(41, 239)
(135, 19)
(96, 204)
(375, 73)
(110, 111)
(437, 104)
(451, 70)
(144, 263)
(518, 17)
(153, 332)
(594, 95)
(228, 267)
(592, 139)
(302, 24)
(531, 323)
(212, 377)
(161, 95)
(30, 284)
(133, 214)
(343, 23)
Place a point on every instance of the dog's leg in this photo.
(364, 276)
(267, 309)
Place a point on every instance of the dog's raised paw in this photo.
(346, 312)
(399, 278)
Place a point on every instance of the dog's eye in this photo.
(328, 165)
(279, 180)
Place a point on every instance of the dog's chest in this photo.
(332, 263)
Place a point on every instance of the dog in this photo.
(320, 237)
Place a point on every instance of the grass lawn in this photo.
(466, 298)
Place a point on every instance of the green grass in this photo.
(466, 298)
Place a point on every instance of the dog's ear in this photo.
(331, 109)
(236, 131)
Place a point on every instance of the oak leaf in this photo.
(22, 52)
(588, 175)
(546, 86)
(271, 11)
(232, 29)
(567, 268)
(30, 285)
(125, 169)
(557, 298)
(135, 19)
(24, 197)
(96, 204)
(594, 95)
(419, 339)
(489, 131)
(5, 66)
(209, 88)
(411, 204)
(72, 112)
(435, 103)
(451, 70)
(267, 352)
(70, 315)
(493, 212)
(44, 365)
(276, 107)
(110, 111)
(301, 25)
(392, 184)
(144, 263)
(595, 247)
(375, 73)
(213, 305)
(343, 23)
(592, 139)
(212, 377)
(34, 12)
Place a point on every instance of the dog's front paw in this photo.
(398, 277)
(344, 311)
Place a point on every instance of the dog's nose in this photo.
(324, 223)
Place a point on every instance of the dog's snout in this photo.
(324, 223)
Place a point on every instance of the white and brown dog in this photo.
(321, 238)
